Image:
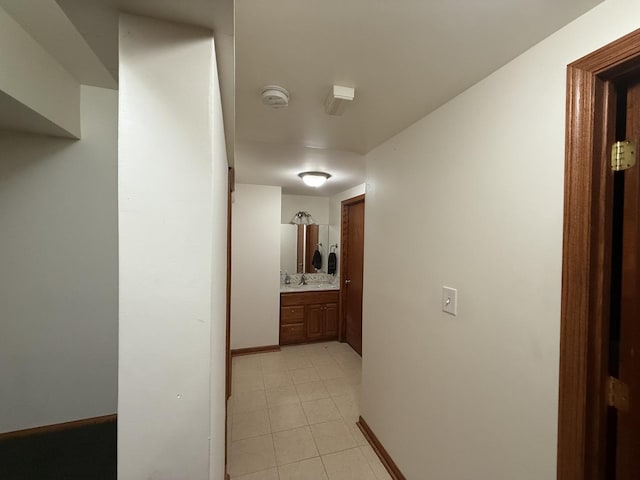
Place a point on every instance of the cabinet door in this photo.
(331, 320)
(314, 319)
(292, 333)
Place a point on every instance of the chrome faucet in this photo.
(303, 280)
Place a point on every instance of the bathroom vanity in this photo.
(308, 314)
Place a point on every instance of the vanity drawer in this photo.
(309, 298)
(292, 333)
(294, 314)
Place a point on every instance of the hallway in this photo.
(293, 415)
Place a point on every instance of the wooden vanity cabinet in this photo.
(322, 321)
(331, 320)
(308, 316)
(292, 326)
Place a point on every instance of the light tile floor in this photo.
(293, 416)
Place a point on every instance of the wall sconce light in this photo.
(303, 218)
(314, 179)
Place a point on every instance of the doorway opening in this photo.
(599, 414)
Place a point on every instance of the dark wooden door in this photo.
(331, 320)
(311, 244)
(314, 320)
(352, 269)
(625, 328)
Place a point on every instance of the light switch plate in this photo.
(450, 300)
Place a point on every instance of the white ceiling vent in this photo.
(275, 96)
(338, 99)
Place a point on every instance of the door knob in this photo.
(347, 282)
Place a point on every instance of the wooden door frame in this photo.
(230, 188)
(588, 194)
(344, 256)
(228, 361)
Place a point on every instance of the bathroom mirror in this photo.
(298, 244)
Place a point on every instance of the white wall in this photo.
(59, 272)
(225, 60)
(471, 196)
(171, 215)
(318, 207)
(255, 266)
(48, 24)
(218, 371)
(36, 80)
(335, 216)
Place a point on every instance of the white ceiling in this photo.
(273, 164)
(404, 58)
(97, 20)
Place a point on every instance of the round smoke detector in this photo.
(275, 96)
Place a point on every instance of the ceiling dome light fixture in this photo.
(275, 96)
(314, 179)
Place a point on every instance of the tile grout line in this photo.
(273, 443)
(317, 449)
(287, 373)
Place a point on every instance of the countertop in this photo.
(310, 287)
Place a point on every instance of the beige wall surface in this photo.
(219, 195)
(318, 207)
(59, 271)
(172, 224)
(36, 80)
(255, 266)
(471, 197)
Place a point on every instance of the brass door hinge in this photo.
(618, 394)
(623, 155)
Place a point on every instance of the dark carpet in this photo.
(85, 453)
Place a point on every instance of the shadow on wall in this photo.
(34, 149)
(59, 274)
